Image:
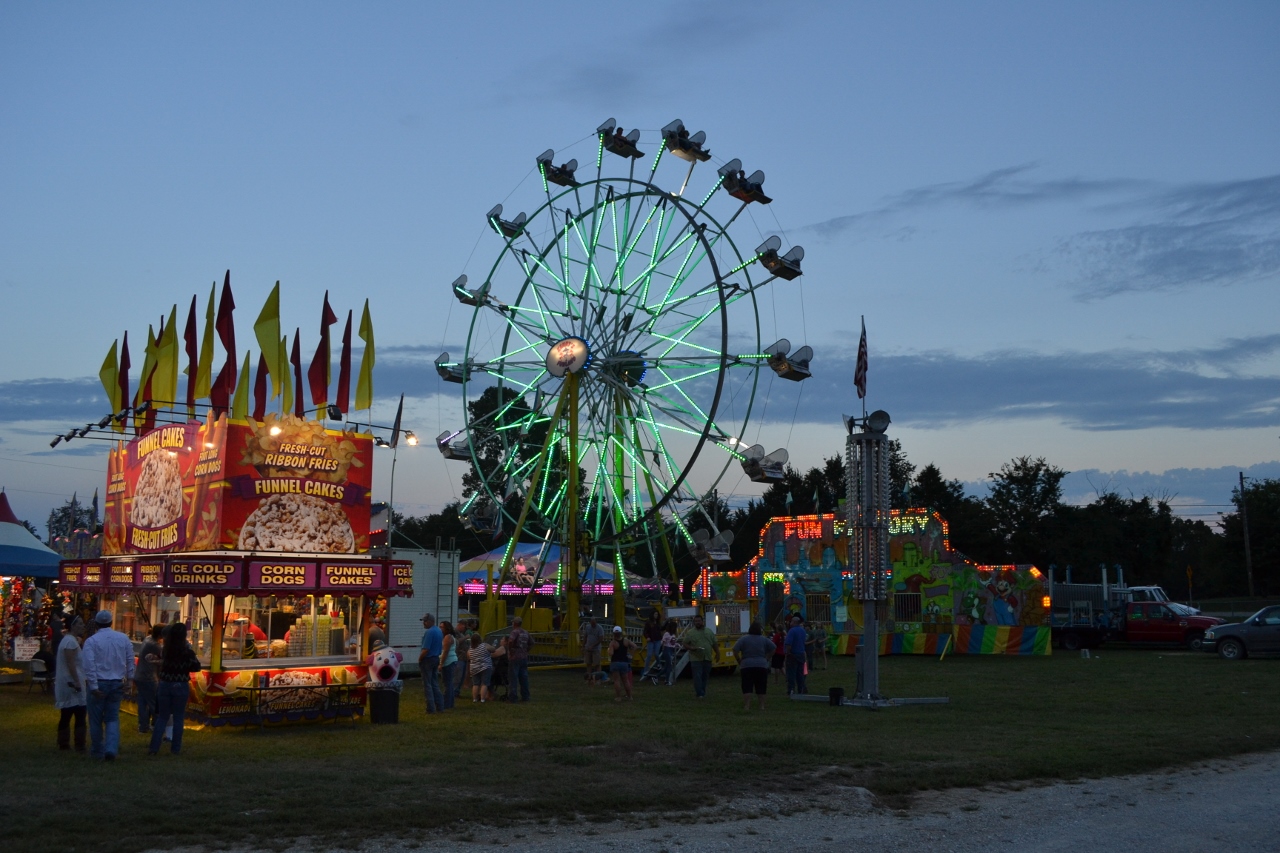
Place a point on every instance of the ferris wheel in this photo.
(613, 352)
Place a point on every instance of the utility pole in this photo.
(1244, 521)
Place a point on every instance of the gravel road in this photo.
(1230, 806)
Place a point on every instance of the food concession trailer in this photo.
(255, 534)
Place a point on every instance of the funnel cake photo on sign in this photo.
(157, 499)
(297, 523)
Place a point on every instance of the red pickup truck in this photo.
(1165, 623)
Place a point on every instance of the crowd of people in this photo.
(95, 668)
(455, 658)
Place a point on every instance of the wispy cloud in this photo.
(1208, 234)
(1199, 234)
(1119, 389)
(1111, 390)
(618, 71)
(1013, 185)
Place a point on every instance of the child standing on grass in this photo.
(481, 659)
(779, 656)
(620, 653)
(820, 644)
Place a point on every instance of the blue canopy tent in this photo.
(21, 553)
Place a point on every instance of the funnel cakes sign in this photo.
(282, 484)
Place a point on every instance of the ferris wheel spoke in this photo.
(696, 409)
(565, 290)
(619, 271)
(685, 234)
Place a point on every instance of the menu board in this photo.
(204, 574)
(148, 573)
(282, 574)
(120, 574)
(282, 484)
(352, 576)
(400, 576)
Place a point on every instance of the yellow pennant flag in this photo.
(286, 407)
(165, 384)
(267, 330)
(109, 373)
(240, 402)
(204, 365)
(364, 385)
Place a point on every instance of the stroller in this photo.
(501, 673)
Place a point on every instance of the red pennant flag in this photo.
(193, 358)
(860, 372)
(124, 372)
(149, 416)
(395, 427)
(318, 372)
(225, 385)
(260, 389)
(344, 370)
(295, 358)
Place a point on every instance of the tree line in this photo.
(1022, 519)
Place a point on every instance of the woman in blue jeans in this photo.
(449, 664)
(177, 662)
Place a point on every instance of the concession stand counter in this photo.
(255, 534)
(283, 637)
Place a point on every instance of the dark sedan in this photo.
(1257, 635)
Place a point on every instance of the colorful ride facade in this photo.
(939, 602)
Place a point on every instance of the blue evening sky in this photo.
(1061, 221)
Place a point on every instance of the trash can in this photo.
(835, 696)
(384, 703)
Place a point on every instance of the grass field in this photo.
(575, 754)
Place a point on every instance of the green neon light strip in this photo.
(542, 170)
(564, 249)
(719, 183)
(681, 342)
(742, 266)
(705, 372)
(671, 466)
(600, 153)
(679, 276)
(696, 409)
(656, 158)
(532, 287)
(620, 272)
(653, 265)
(657, 240)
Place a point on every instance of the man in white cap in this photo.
(108, 666)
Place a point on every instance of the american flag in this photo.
(860, 372)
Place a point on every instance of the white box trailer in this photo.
(435, 591)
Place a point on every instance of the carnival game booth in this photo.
(255, 535)
(535, 583)
(939, 600)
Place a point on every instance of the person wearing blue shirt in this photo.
(429, 663)
(796, 657)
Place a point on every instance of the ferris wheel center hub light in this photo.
(568, 356)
